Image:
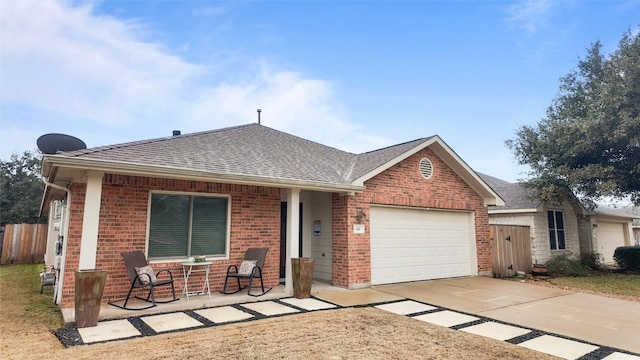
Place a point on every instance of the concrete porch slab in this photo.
(169, 322)
(224, 314)
(357, 297)
(270, 308)
(496, 330)
(446, 318)
(552, 345)
(108, 330)
(309, 304)
(406, 307)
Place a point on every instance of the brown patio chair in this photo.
(142, 277)
(251, 268)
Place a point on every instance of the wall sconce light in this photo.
(361, 216)
(595, 225)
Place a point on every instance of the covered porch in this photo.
(109, 312)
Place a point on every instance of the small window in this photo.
(556, 230)
(187, 225)
(426, 168)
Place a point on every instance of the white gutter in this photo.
(58, 294)
(511, 211)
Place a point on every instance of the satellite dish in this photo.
(56, 143)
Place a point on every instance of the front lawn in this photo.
(28, 318)
(620, 285)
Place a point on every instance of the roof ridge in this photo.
(98, 149)
(350, 167)
(396, 145)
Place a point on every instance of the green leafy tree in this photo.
(589, 140)
(21, 189)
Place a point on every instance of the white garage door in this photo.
(418, 244)
(610, 236)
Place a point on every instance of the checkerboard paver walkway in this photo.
(553, 344)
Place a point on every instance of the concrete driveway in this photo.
(596, 319)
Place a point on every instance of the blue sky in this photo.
(356, 75)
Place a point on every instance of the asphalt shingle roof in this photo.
(515, 195)
(252, 150)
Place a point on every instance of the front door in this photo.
(283, 238)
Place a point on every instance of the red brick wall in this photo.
(402, 185)
(255, 222)
(74, 235)
(351, 252)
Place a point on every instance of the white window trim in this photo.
(556, 229)
(186, 193)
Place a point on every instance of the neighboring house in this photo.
(555, 229)
(608, 229)
(408, 212)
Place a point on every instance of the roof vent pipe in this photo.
(259, 111)
(176, 132)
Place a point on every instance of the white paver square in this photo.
(621, 356)
(496, 331)
(406, 307)
(224, 314)
(446, 318)
(108, 330)
(168, 322)
(309, 304)
(270, 308)
(552, 345)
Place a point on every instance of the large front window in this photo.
(556, 230)
(183, 225)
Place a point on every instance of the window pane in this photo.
(559, 220)
(552, 239)
(552, 224)
(169, 226)
(209, 226)
(561, 245)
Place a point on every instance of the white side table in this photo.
(188, 269)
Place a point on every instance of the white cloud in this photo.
(99, 76)
(529, 14)
(289, 102)
(66, 61)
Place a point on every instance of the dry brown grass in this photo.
(360, 333)
(26, 332)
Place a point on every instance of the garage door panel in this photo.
(410, 244)
(610, 236)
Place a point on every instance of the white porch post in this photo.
(90, 221)
(293, 229)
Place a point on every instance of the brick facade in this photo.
(255, 222)
(402, 185)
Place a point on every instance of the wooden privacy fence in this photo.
(511, 250)
(24, 244)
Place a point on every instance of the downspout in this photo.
(63, 260)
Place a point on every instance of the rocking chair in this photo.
(251, 268)
(142, 277)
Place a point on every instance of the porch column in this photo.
(90, 221)
(293, 229)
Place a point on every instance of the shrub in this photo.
(628, 258)
(563, 265)
(592, 260)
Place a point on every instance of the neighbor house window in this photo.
(183, 225)
(556, 230)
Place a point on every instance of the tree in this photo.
(21, 189)
(589, 140)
